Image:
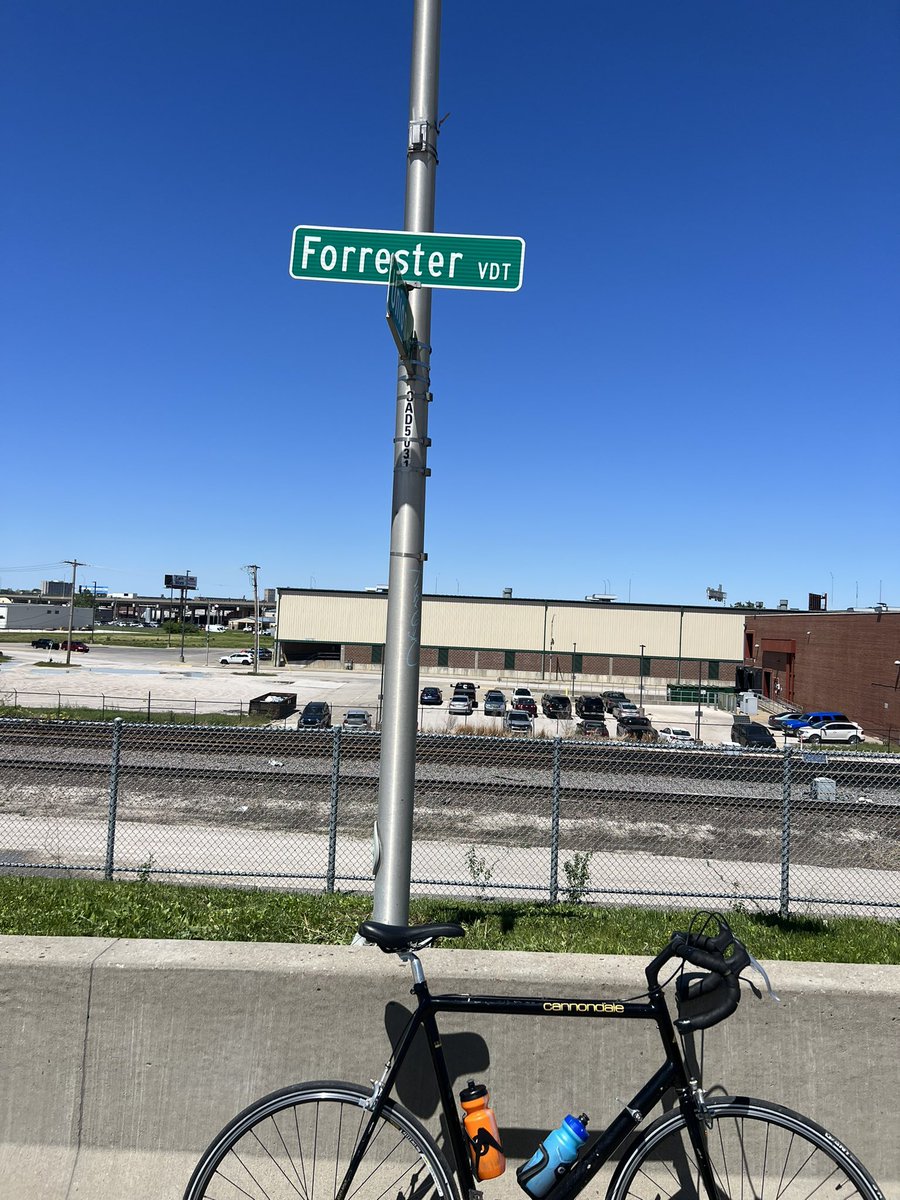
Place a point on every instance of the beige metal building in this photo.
(519, 638)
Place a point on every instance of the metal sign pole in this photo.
(393, 829)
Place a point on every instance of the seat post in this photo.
(417, 972)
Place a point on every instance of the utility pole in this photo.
(396, 787)
(252, 571)
(74, 564)
(641, 670)
(184, 592)
(93, 610)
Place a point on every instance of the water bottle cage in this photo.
(481, 1143)
(525, 1174)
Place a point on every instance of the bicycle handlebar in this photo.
(720, 990)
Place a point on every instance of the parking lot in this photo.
(125, 676)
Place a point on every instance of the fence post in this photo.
(149, 695)
(113, 798)
(333, 813)
(784, 896)
(554, 824)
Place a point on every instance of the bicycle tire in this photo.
(757, 1149)
(293, 1143)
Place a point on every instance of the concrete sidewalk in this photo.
(121, 1059)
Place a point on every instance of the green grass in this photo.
(90, 908)
(141, 637)
(132, 716)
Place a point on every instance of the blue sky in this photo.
(709, 193)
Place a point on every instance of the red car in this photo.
(81, 647)
(526, 704)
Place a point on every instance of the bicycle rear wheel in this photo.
(298, 1142)
(757, 1149)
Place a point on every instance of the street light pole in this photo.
(253, 570)
(641, 670)
(397, 774)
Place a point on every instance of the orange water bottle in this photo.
(482, 1134)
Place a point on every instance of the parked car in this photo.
(357, 718)
(556, 706)
(625, 708)
(831, 731)
(590, 706)
(593, 727)
(264, 653)
(796, 721)
(526, 704)
(776, 719)
(672, 735)
(81, 647)
(316, 715)
(517, 720)
(611, 699)
(638, 728)
(470, 689)
(45, 644)
(431, 695)
(749, 734)
(521, 693)
(494, 703)
(460, 704)
(237, 657)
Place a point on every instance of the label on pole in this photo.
(399, 314)
(435, 260)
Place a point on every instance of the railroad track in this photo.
(508, 796)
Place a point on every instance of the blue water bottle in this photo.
(553, 1157)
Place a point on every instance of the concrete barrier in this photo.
(120, 1059)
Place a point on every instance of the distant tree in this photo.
(84, 598)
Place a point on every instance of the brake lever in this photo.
(761, 970)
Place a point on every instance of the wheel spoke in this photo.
(756, 1151)
(298, 1142)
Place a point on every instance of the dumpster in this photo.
(274, 704)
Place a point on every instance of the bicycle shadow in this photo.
(467, 1056)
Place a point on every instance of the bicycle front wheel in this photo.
(756, 1149)
(298, 1142)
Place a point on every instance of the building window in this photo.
(509, 660)
(713, 672)
(443, 656)
(748, 643)
(377, 653)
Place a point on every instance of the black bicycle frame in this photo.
(672, 1074)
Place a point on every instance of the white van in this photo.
(216, 628)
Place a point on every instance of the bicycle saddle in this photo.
(397, 939)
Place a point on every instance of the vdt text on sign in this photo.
(435, 260)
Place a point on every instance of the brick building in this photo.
(844, 660)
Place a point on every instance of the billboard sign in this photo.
(184, 583)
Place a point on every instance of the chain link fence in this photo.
(542, 818)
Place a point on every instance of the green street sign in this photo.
(399, 313)
(435, 260)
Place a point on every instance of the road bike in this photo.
(329, 1140)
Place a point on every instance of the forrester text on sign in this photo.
(451, 260)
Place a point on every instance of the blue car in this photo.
(790, 725)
